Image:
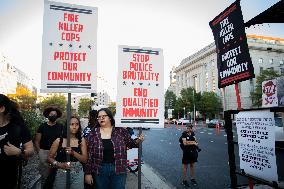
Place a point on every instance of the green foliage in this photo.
(33, 120)
(178, 108)
(112, 107)
(265, 75)
(84, 106)
(210, 104)
(58, 101)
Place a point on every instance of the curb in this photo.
(157, 181)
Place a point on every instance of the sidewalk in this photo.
(149, 180)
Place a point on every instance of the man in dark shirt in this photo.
(190, 154)
(46, 134)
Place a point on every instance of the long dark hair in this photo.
(78, 135)
(11, 110)
(109, 114)
(93, 122)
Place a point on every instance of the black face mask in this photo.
(52, 118)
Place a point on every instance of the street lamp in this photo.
(184, 112)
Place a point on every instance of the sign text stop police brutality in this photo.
(140, 105)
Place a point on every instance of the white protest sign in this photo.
(256, 139)
(69, 48)
(140, 96)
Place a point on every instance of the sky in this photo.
(179, 27)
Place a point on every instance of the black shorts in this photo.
(189, 156)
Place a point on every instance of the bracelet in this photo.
(55, 164)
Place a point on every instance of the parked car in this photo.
(212, 123)
(173, 121)
(183, 121)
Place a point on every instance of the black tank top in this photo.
(108, 153)
(61, 153)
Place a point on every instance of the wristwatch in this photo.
(22, 154)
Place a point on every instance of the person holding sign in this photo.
(190, 154)
(107, 150)
(78, 155)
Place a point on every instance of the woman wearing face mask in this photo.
(46, 134)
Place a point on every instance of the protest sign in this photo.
(233, 58)
(256, 140)
(140, 96)
(69, 48)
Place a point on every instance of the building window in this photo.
(195, 85)
(282, 71)
(213, 82)
(206, 81)
(281, 62)
(260, 60)
(271, 61)
(260, 70)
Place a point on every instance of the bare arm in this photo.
(29, 149)
(81, 157)
(37, 142)
(185, 142)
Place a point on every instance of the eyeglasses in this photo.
(102, 116)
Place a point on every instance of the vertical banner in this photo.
(69, 48)
(233, 58)
(256, 139)
(140, 85)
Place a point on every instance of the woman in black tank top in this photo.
(78, 155)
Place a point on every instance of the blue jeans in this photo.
(107, 179)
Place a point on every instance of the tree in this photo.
(24, 97)
(265, 75)
(170, 101)
(210, 104)
(112, 107)
(84, 106)
(58, 101)
(178, 108)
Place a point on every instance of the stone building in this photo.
(200, 69)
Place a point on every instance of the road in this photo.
(162, 152)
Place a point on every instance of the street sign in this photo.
(69, 48)
(140, 96)
(233, 58)
(273, 92)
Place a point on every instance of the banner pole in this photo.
(238, 96)
(68, 139)
(139, 159)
